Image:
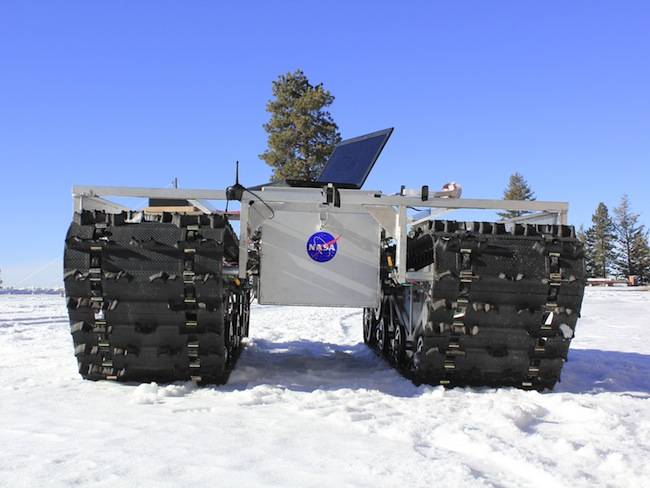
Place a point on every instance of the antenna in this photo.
(235, 191)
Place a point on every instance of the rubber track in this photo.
(147, 299)
(503, 304)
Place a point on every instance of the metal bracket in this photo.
(400, 238)
(386, 217)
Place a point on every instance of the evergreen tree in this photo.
(631, 241)
(590, 264)
(599, 243)
(517, 189)
(582, 237)
(301, 134)
(642, 250)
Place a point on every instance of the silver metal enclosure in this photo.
(289, 276)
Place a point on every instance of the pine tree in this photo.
(599, 243)
(517, 189)
(582, 237)
(631, 241)
(642, 250)
(590, 261)
(301, 134)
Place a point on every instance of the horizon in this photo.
(135, 95)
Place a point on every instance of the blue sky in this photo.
(135, 93)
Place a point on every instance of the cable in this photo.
(263, 202)
(236, 192)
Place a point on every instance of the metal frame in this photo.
(390, 211)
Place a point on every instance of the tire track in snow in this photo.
(492, 465)
(347, 327)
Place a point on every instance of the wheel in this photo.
(383, 334)
(417, 359)
(398, 348)
(370, 325)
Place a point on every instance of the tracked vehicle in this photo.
(163, 293)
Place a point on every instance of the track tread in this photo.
(489, 303)
(147, 299)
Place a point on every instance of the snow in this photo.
(309, 405)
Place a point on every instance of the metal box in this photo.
(311, 256)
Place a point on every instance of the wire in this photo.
(38, 271)
(263, 202)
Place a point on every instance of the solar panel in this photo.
(353, 159)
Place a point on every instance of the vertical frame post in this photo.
(564, 217)
(243, 239)
(400, 237)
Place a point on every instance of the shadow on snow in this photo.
(595, 371)
(303, 365)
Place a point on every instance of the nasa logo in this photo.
(322, 246)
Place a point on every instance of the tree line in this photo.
(616, 244)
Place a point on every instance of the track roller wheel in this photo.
(370, 325)
(398, 345)
(382, 335)
(417, 360)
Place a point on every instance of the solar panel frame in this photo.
(386, 133)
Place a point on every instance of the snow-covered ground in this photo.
(309, 405)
